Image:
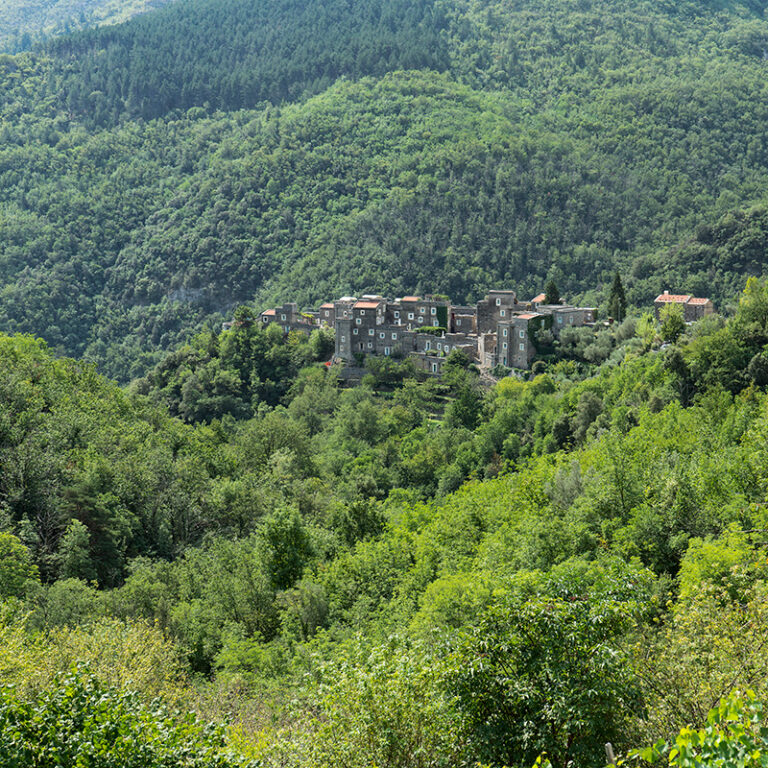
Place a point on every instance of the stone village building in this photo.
(498, 329)
(693, 308)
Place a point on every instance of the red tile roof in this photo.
(269, 312)
(327, 305)
(529, 315)
(698, 301)
(539, 299)
(678, 298)
(366, 305)
(410, 298)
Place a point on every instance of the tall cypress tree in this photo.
(617, 299)
(552, 294)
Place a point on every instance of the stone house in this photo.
(495, 307)
(694, 308)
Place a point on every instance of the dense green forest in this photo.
(27, 22)
(407, 572)
(156, 174)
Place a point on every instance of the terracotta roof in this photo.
(529, 315)
(539, 299)
(678, 298)
(411, 298)
(269, 312)
(366, 305)
(327, 305)
(698, 301)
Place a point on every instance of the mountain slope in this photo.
(23, 22)
(563, 140)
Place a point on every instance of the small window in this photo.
(410, 315)
(505, 332)
(394, 337)
(498, 302)
(458, 322)
(354, 331)
(560, 319)
(370, 344)
(358, 321)
(421, 320)
(343, 339)
(397, 314)
(362, 311)
(439, 345)
(433, 310)
(570, 319)
(434, 322)
(386, 351)
(282, 317)
(522, 347)
(382, 335)
(422, 310)
(371, 332)
(503, 312)
(504, 345)
(434, 367)
(265, 319)
(522, 334)
(428, 345)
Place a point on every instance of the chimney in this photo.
(666, 293)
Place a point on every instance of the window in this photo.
(428, 345)
(282, 317)
(434, 322)
(410, 315)
(522, 347)
(394, 337)
(371, 332)
(504, 345)
(522, 334)
(421, 319)
(354, 331)
(362, 311)
(505, 332)
(433, 310)
(358, 321)
(386, 351)
(570, 319)
(370, 344)
(343, 339)
(503, 312)
(327, 313)
(560, 319)
(397, 314)
(382, 335)
(265, 319)
(498, 302)
(434, 367)
(439, 345)
(422, 310)
(458, 322)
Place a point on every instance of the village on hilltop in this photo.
(498, 330)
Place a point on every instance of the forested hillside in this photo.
(350, 574)
(26, 22)
(160, 172)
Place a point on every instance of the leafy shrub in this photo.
(81, 722)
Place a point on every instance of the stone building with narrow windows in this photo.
(498, 329)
